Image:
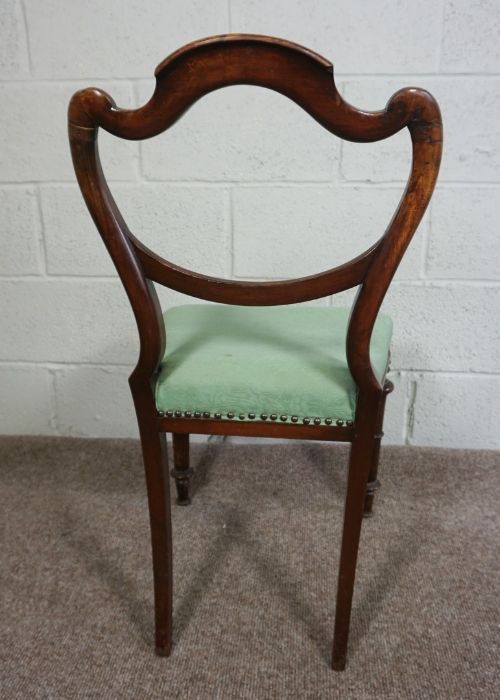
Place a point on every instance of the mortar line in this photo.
(42, 240)
(410, 414)
(340, 174)
(428, 282)
(230, 214)
(404, 377)
(51, 278)
(427, 231)
(27, 37)
(325, 184)
(441, 36)
(106, 80)
(77, 364)
(53, 420)
(63, 365)
(139, 170)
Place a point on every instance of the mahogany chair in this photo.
(295, 372)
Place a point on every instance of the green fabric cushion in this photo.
(282, 359)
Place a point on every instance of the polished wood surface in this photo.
(307, 79)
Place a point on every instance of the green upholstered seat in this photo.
(273, 360)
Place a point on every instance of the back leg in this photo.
(373, 484)
(182, 472)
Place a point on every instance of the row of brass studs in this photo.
(263, 416)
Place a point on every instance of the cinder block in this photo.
(457, 411)
(472, 130)
(463, 240)
(115, 38)
(344, 299)
(349, 34)
(294, 231)
(33, 133)
(20, 232)
(25, 401)
(187, 225)
(470, 36)
(242, 134)
(73, 244)
(444, 327)
(95, 402)
(83, 320)
(13, 49)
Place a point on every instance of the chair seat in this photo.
(273, 360)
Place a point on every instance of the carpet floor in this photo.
(255, 560)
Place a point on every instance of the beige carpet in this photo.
(255, 575)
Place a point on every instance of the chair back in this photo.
(307, 79)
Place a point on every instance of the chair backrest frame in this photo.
(307, 79)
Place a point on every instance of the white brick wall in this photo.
(242, 170)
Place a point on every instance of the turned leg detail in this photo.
(373, 484)
(182, 472)
(371, 489)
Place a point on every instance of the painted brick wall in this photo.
(246, 169)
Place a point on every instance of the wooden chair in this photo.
(169, 382)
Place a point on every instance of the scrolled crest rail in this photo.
(243, 59)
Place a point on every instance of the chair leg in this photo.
(373, 484)
(154, 450)
(182, 472)
(359, 464)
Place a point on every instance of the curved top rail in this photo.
(242, 59)
(248, 39)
